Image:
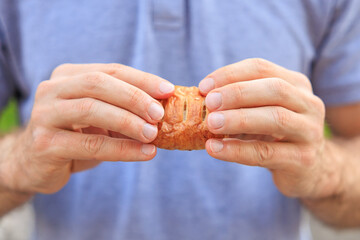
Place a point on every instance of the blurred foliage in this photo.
(327, 131)
(9, 117)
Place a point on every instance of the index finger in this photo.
(155, 86)
(251, 69)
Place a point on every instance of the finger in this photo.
(73, 145)
(259, 137)
(91, 112)
(277, 122)
(117, 135)
(109, 89)
(93, 130)
(258, 93)
(101, 131)
(155, 86)
(251, 69)
(272, 155)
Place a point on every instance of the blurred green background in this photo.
(9, 117)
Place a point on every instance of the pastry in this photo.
(183, 126)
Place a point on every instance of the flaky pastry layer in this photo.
(183, 126)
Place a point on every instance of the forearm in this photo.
(342, 208)
(9, 199)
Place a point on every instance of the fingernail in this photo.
(166, 87)
(207, 85)
(147, 149)
(213, 100)
(216, 120)
(155, 111)
(149, 131)
(216, 146)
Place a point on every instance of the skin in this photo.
(280, 122)
(84, 115)
(272, 111)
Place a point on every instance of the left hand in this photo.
(276, 122)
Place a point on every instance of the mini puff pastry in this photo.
(183, 126)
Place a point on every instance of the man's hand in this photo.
(84, 114)
(277, 123)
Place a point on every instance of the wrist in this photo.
(10, 195)
(340, 155)
(343, 191)
(14, 195)
(10, 199)
(332, 172)
(12, 175)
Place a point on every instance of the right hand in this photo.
(83, 115)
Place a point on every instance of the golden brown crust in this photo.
(183, 126)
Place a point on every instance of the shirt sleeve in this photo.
(336, 70)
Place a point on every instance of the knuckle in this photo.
(113, 69)
(125, 120)
(136, 98)
(149, 78)
(280, 88)
(61, 107)
(94, 81)
(319, 105)
(122, 146)
(242, 120)
(37, 115)
(304, 80)
(238, 154)
(261, 66)
(41, 139)
(239, 92)
(44, 88)
(93, 144)
(281, 117)
(264, 152)
(85, 107)
(229, 73)
(61, 68)
(302, 76)
(64, 108)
